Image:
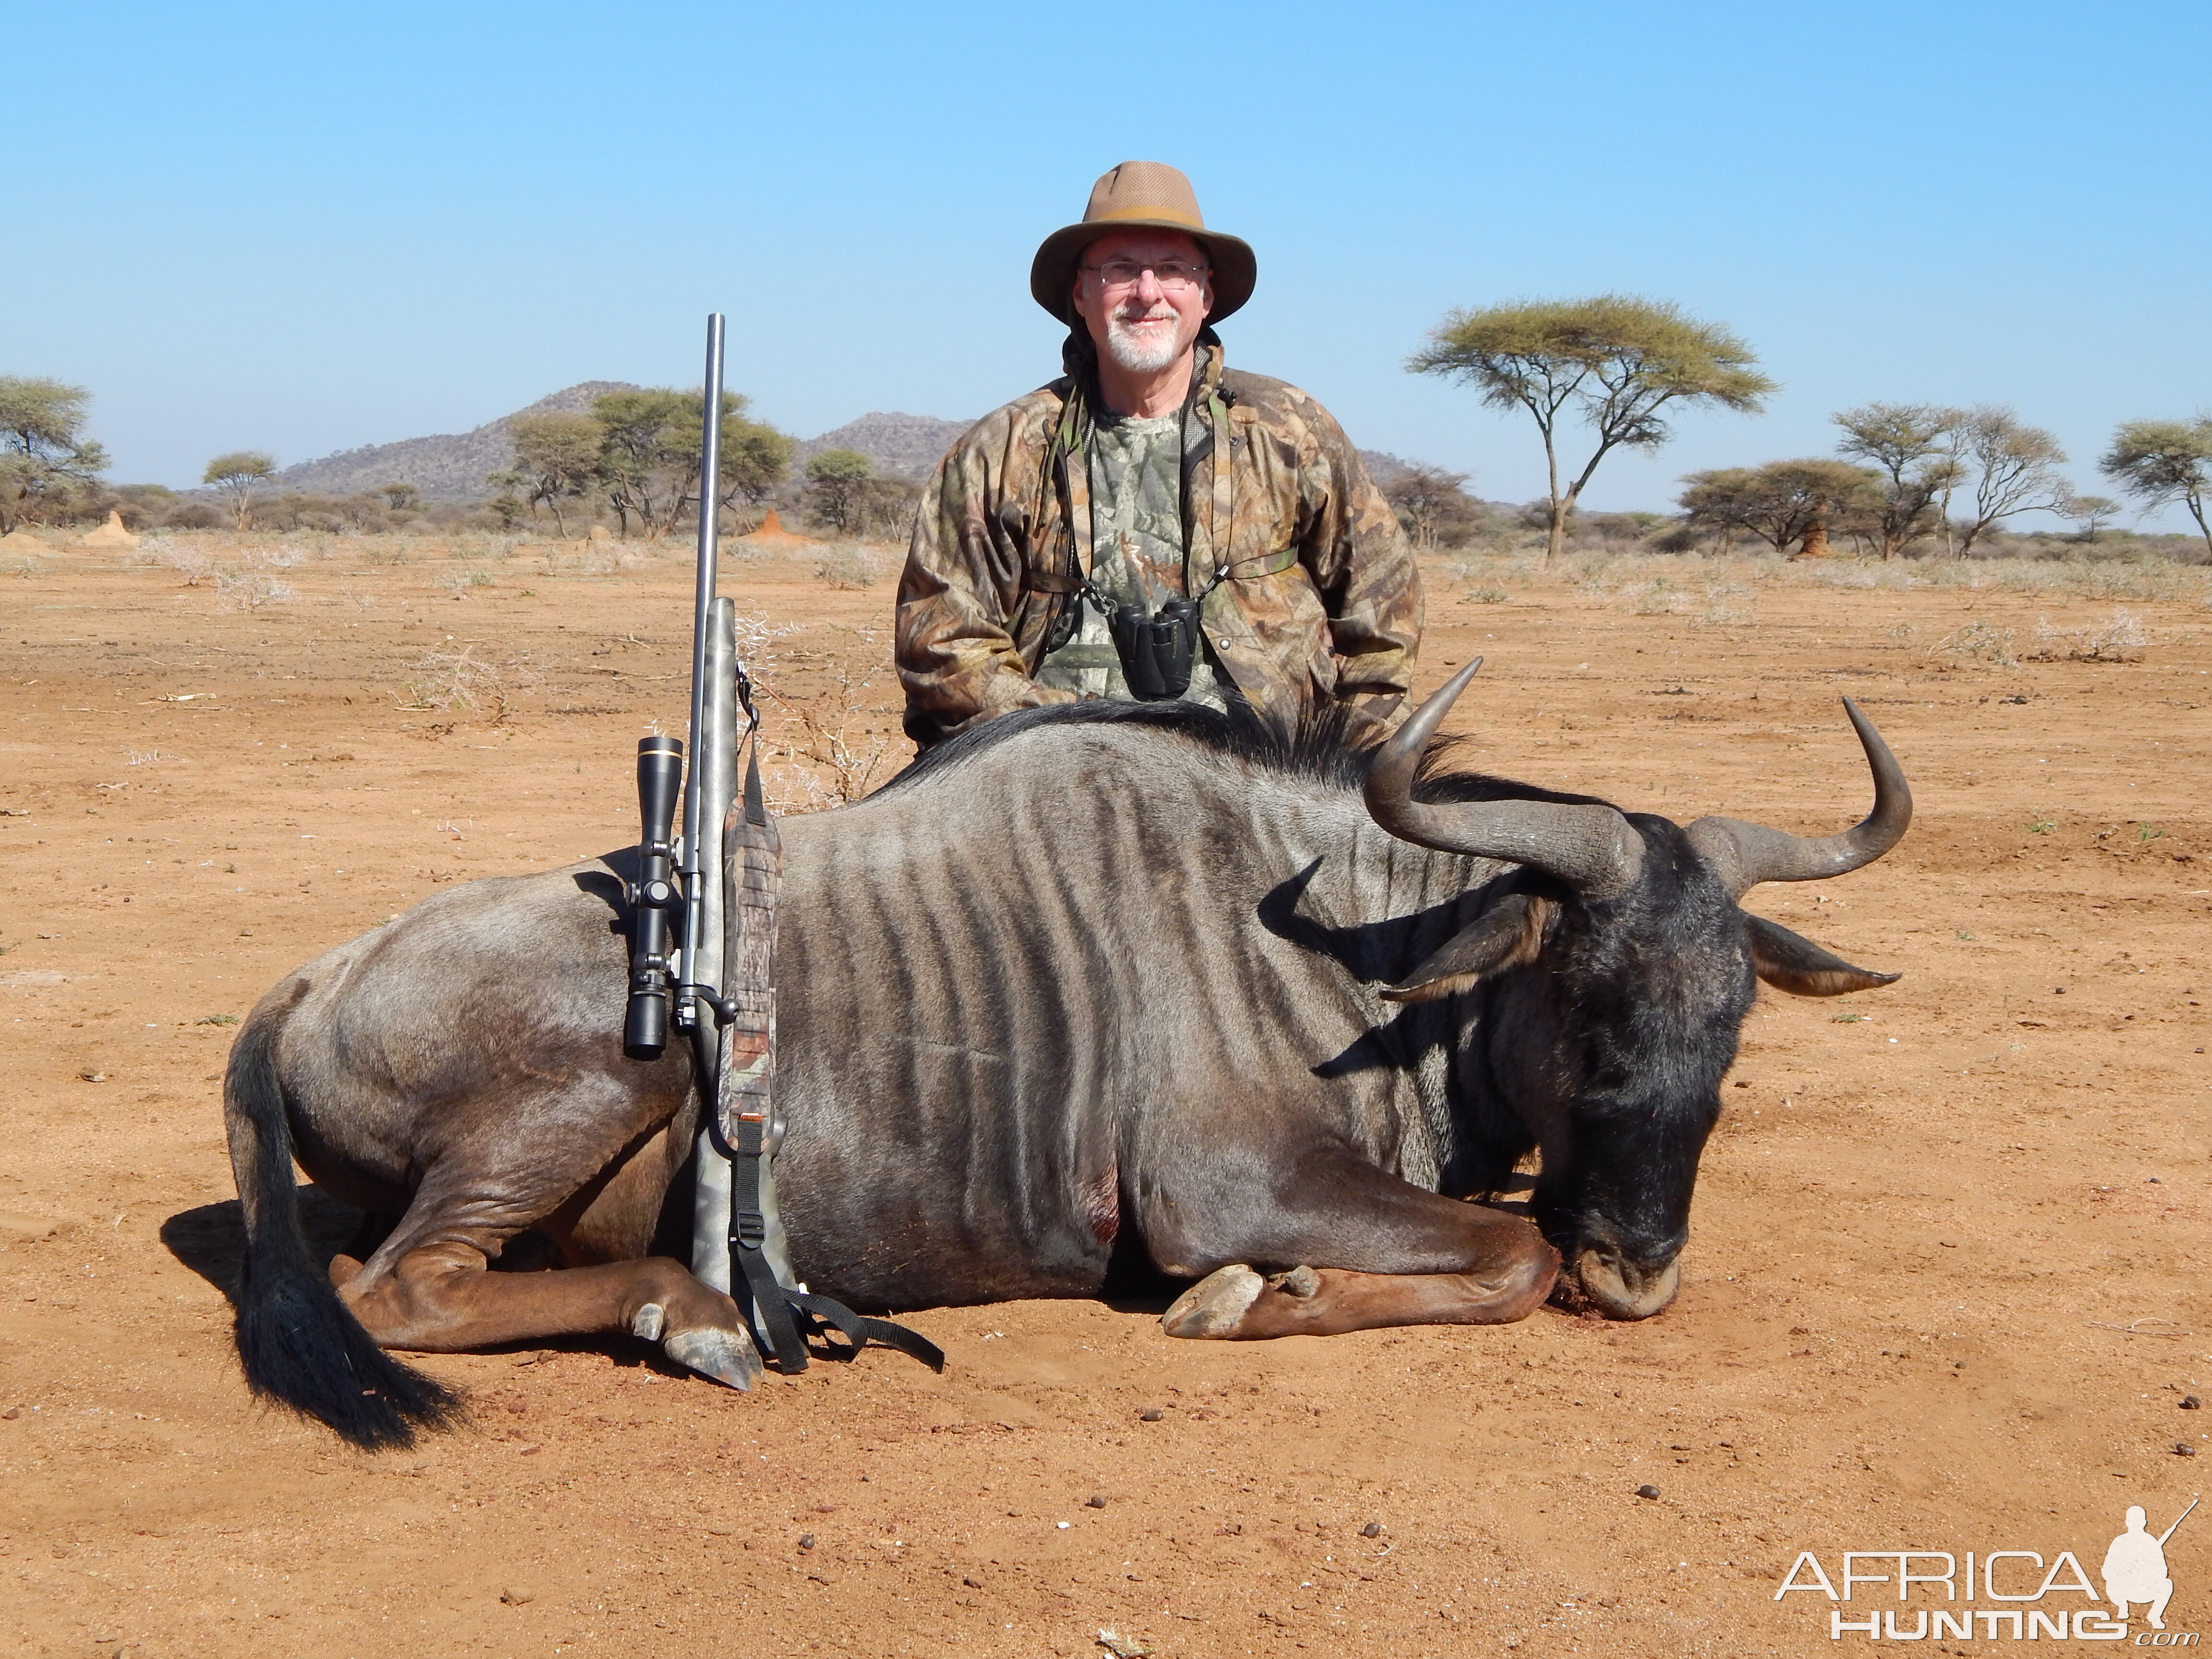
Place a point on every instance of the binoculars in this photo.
(1156, 650)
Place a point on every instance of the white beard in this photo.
(1148, 352)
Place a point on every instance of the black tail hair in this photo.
(297, 1342)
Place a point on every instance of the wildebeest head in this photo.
(1621, 973)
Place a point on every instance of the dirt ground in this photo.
(1944, 1292)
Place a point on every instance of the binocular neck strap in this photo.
(1072, 455)
(1221, 523)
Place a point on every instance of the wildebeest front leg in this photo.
(1334, 1244)
(1237, 1304)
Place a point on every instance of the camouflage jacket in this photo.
(1320, 599)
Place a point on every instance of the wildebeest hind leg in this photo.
(1350, 1247)
(427, 1288)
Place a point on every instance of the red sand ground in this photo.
(1945, 1291)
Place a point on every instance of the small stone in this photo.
(1153, 1416)
(2183, 1449)
(515, 1598)
(1372, 1529)
(806, 1540)
(2190, 1402)
(1094, 1502)
(972, 1584)
(1647, 1491)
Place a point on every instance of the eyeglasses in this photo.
(1172, 274)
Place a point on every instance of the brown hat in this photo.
(1150, 195)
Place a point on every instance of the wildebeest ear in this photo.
(1508, 933)
(1790, 962)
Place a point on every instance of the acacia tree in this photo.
(2092, 514)
(2013, 468)
(649, 459)
(557, 459)
(45, 456)
(2160, 462)
(837, 488)
(638, 465)
(1430, 502)
(1782, 502)
(756, 458)
(237, 475)
(1616, 360)
(1909, 445)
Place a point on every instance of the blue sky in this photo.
(304, 228)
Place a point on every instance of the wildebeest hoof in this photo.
(1300, 1281)
(646, 1321)
(1216, 1305)
(726, 1356)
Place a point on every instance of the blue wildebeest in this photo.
(1108, 978)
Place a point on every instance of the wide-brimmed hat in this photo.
(1141, 195)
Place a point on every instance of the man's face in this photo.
(1144, 295)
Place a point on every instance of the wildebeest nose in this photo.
(1622, 1291)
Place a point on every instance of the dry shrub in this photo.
(1727, 604)
(195, 563)
(1710, 591)
(249, 590)
(459, 681)
(848, 565)
(1848, 574)
(1980, 641)
(583, 559)
(843, 758)
(2119, 638)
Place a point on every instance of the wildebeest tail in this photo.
(298, 1343)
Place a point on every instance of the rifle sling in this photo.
(781, 1317)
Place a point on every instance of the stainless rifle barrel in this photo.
(710, 496)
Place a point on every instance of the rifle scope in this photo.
(655, 898)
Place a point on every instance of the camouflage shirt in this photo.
(1136, 553)
(1319, 599)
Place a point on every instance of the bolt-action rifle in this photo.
(703, 908)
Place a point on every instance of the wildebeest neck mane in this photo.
(1325, 748)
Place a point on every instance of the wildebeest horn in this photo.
(1744, 854)
(1591, 849)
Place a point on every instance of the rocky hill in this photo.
(446, 468)
(898, 446)
(1382, 466)
(453, 467)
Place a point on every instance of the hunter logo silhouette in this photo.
(2135, 1567)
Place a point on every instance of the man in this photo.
(1153, 524)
